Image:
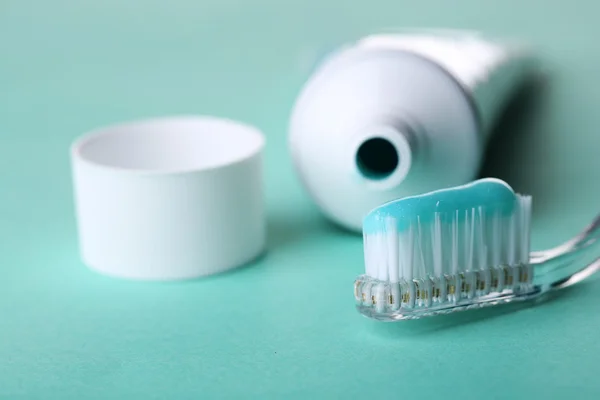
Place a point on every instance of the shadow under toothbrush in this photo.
(517, 138)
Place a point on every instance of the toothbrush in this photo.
(461, 248)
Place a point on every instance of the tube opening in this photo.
(377, 158)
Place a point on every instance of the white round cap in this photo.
(169, 198)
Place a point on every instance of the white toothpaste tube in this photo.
(399, 114)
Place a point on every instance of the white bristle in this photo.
(454, 248)
(392, 250)
(371, 251)
(481, 240)
(495, 244)
(437, 243)
(420, 263)
(407, 255)
(525, 214)
(470, 243)
(511, 233)
(366, 252)
(382, 267)
(471, 250)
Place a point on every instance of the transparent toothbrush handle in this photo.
(570, 262)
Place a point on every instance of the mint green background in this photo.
(286, 326)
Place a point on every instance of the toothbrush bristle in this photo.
(447, 257)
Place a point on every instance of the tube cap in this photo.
(169, 198)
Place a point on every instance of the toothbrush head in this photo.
(444, 251)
